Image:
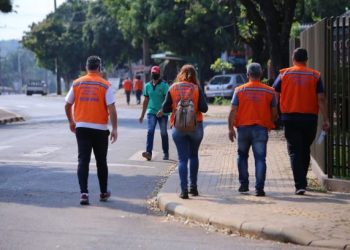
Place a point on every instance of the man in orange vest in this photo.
(138, 86)
(127, 84)
(92, 99)
(301, 98)
(253, 112)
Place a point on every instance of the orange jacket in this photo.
(255, 100)
(185, 89)
(127, 84)
(89, 99)
(138, 84)
(298, 90)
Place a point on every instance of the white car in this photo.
(223, 85)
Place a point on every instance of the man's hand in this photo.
(141, 119)
(326, 125)
(114, 135)
(160, 113)
(232, 135)
(72, 126)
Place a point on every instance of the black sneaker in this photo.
(300, 191)
(260, 192)
(147, 155)
(193, 191)
(84, 199)
(166, 157)
(243, 189)
(184, 195)
(105, 196)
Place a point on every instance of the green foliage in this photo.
(219, 100)
(221, 66)
(76, 30)
(5, 6)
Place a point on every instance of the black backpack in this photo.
(185, 119)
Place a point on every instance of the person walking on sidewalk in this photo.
(154, 94)
(138, 86)
(92, 98)
(253, 112)
(301, 98)
(127, 85)
(186, 86)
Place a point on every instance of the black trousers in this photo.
(97, 140)
(127, 93)
(300, 135)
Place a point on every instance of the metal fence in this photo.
(328, 43)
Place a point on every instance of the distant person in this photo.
(253, 112)
(127, 85)
(138, 86)
(186, 86)
(92, 99)
(301, 98)
(154, 94)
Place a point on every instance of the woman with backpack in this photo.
(186, 102)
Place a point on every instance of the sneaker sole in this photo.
(84, 202)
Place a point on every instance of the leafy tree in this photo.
(102, 36)
(5, 6)
(133, 18)
(220, 66)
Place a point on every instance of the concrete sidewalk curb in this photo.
(244, 226)
(7, 117)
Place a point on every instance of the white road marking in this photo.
(5, 147)
(67, 163)
(41, 151)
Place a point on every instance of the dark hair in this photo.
(93, 63)
(138, 77)
(300, 55)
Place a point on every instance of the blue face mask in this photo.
(155, 76)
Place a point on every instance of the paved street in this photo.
(39, 194)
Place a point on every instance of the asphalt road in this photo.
(39, 193)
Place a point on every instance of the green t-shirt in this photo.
(156, 95)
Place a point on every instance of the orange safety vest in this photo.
(185, 89)
(127, 84)
(89, 99)
(254, 105)
(298, 90)
(138, 84)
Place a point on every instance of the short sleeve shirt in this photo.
(156, 95)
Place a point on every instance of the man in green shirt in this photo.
(154, 93)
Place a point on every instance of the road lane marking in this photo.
(3, 162)
(41, 151)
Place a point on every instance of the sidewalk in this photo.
(6, 117)
(317, 219)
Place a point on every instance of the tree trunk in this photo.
(145, 47)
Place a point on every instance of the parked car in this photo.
(223, 85)
(36, 87)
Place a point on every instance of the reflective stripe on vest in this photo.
(186, 89)
(254, 105)
(90, 99)
(298, 90)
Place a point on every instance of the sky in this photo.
(13, 25)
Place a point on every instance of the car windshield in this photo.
(220, 80)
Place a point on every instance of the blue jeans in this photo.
(163, 125)
(257, 137)
(187, 145)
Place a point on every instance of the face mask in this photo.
(155, 76)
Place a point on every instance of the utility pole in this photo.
(58, 77)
